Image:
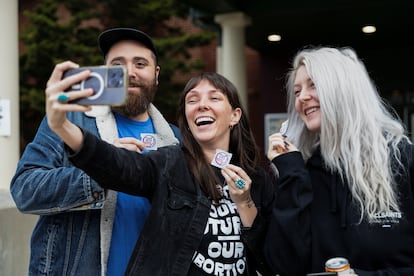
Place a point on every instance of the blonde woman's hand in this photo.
(278, 145)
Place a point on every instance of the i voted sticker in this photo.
(221, 158)
(150, 140)
(284, 127)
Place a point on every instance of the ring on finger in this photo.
(63, 98)
(240, 183)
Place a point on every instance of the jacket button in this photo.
(95, 195)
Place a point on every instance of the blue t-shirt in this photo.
(131, 211)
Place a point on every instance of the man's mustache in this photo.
(134, 83)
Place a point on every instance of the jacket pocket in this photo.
(180, 210)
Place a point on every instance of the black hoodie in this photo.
(385, 247)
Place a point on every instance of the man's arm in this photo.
(45, 181)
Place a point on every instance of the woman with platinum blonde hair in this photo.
(360, 163)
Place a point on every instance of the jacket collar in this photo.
(162, 128)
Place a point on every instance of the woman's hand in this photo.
(56, 110)
(239, 184)
(278, 144)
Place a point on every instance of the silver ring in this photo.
(240, 183)
(62, 98)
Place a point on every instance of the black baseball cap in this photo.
(111, 36)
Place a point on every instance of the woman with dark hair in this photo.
(241, 141)
(208, 217)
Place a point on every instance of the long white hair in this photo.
(359, 136)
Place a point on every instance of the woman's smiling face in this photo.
(307, 100)
(210, 115)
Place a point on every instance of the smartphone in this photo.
(109, 83)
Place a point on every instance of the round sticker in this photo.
(149, 141)
(221, 158)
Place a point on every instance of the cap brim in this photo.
(109, 37)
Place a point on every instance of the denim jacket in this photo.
(73, 233)
(179, 209)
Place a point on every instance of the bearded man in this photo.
(83, 229)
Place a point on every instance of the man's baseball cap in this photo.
(111, 36)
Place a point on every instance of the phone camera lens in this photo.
(115, 77)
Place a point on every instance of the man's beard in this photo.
(137, 103)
